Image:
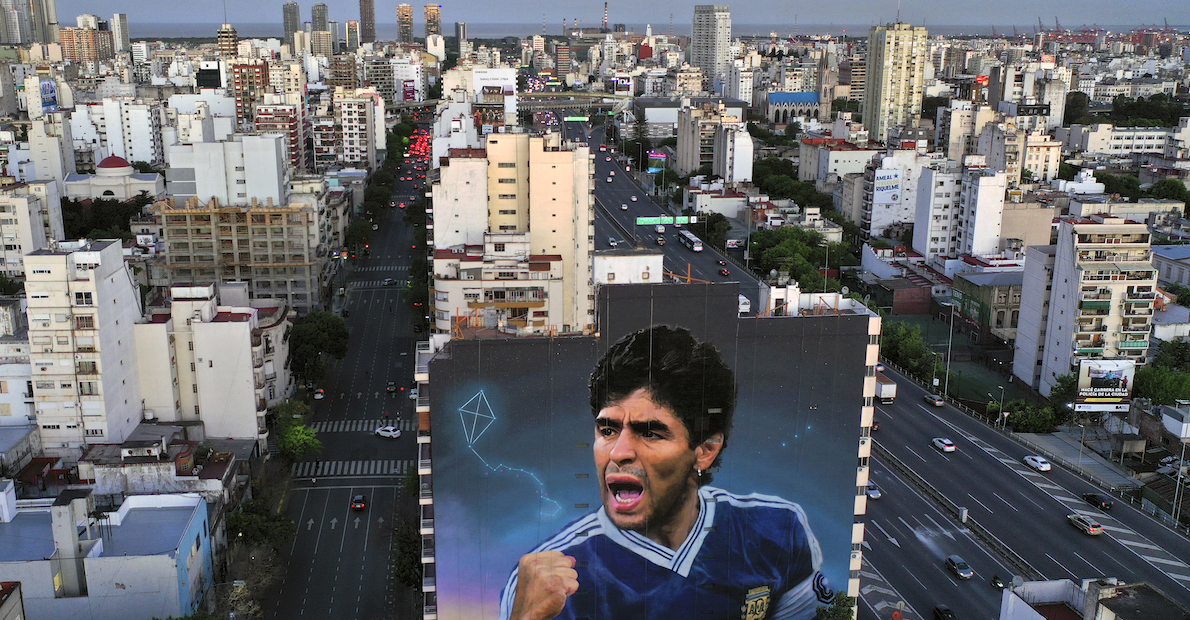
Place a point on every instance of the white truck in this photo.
(886, 389)
(745, 305)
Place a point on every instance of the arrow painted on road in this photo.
(873, 588)
(359, 394)
(310, 525)
(334, 522)
(357, 523)
(380, 521)
(890, 538)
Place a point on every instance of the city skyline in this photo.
(928, 12)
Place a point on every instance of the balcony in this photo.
(1138, 310)
(1095, 304)
(1134, 344)
(1087, 328)
(1138, 328)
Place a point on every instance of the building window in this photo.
(89, 388)
(506, 164)
(506, 181)
(499, 247)
(507, 196)
(82, 299)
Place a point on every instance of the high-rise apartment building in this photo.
(353, 36)
(86, 44)
(14, 23)
(342, 71)
(322, 43)
(514, 235)
(700, 129)
(32, 220)
(460, 34)
(120, 37)
(367, 21)
(433, 19)
(249, 84)
(1090, 296)
(895, 79)
(285, 119)
(291, 17)
(319, 16)
(83, 305)
(336, 40)
(710, 40)
(404, 23)
(240, 170)
(229, 41)
(43, 21)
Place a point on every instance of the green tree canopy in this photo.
(297, 441)
(311, 337)
(359, 234)
(255, 524)
(1172, 189)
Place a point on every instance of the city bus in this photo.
(689, 240)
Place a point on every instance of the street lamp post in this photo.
(1179, 492)
(949, 343)
(1081, 441)
(1003, 418)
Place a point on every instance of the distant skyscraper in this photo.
(43, 21)
(120, 35)
(404, 23)
(433, 19)
(15, 27)
(896, 72)
(353, 39)
(229, 41)
(291, 16)
(319, 17)
(461, 32)
(710, 39)
(367, 22)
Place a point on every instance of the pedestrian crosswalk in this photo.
(383, 268)
(354, 426)
(368, 283)
(331, 469)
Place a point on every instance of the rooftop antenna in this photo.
(604, 17)
(898, 11)
(543, 24)
(795, 25)
(671, 25)
(225, 11)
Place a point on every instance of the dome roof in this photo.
(114, 161)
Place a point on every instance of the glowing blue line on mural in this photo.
(476, 416)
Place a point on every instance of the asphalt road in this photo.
(1023, 508)
(612, 221)
(341, 559)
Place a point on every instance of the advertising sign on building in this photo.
(49, 95)
(591, 447)
(1104, 385)
(409, 90)
(886, 187)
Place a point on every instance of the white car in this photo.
(391, 432)
(1037, 462)
(623, 206)
(633, 199)
(319, 394)
(609, 179)
(943, 444)
(612, 173)
(414, 393)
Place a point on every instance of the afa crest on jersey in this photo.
(756, 603)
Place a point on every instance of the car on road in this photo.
(942, 612)
(1037, 462)
(375, 226)
(608, 159)
(1085, 524)
(659, 229)
(875, 425)
(389, 281)
(414, 393)
(612, 242)
(391, 432)
(392, 387)
(319, 394)
(725, 271)
(609, 179)
(879, 367)
(959, 567)
(623, 206)
(660, 240)
(359, 502)
(721, 262)
(1098, 501)
(612, 173)
(935, 400)
(874, 491)
(632, 198)
(943, 444)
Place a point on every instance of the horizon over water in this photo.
(388, 31)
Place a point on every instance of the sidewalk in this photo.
(1063, 447)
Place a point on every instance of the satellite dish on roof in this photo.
(843, 291)
(772, 273)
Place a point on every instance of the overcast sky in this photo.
(1021, 13)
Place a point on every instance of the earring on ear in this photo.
(699, 470)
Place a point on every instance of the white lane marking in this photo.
(1134, 543)
(1006, 502)
(1070, 572)
(973, 498)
